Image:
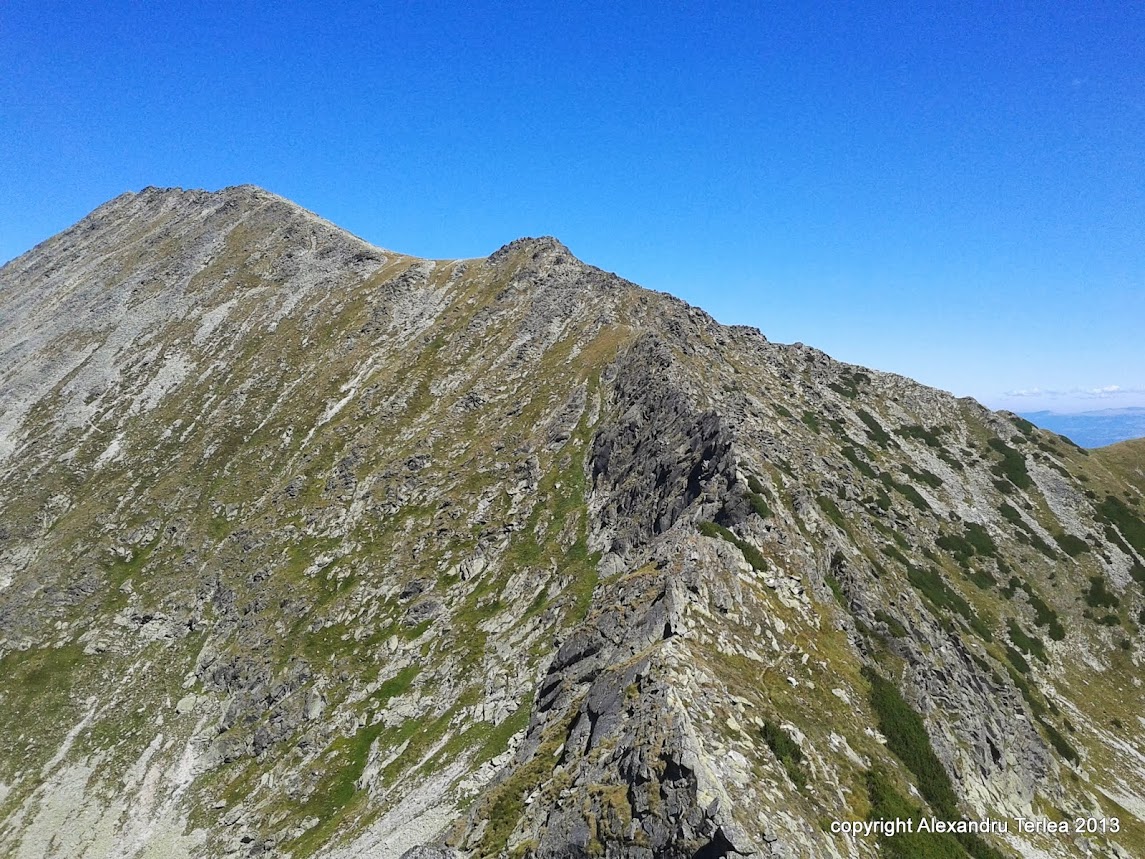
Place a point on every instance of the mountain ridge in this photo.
(312, 548)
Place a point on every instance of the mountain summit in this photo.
(309, 548)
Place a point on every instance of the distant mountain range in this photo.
(1093, 429)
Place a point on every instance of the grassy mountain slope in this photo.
(308, 548)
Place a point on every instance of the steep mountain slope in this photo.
(309, 548)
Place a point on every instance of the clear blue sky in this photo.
(956, 193)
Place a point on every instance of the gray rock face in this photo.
(658, 458)
(429, 853)
(313, 549)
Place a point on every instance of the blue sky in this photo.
(955, 192)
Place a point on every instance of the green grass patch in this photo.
(981, 627)
(1023, 686)
(983, 579)
(1059, 742)
(924, 434)
(397, 685)
(759, 505)
(906, 491)
(37, 689)
(1137, 571)
(1011, 515)
(1023, 425)
(336, 793)
(957, 546)
(1114, 511)
(847, 391)
(750, 553)
(874, 428)
(504, 803)
(1044, 615)
(973, 541)
(863, 467)
(928, 477)
(982, 542)
(931, 584)
(828, 506)
(1017, 660)
(895, 628)
(836, 589)
(887, 803)
(786, 751)
(1013, 464)
(1098, 596)
(1026, 643)
(907, 738)
(1071, 545)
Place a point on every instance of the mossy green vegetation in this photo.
(931, 436)
(847, 391)
(874, 429)
(345, 761)
(1071, 545)
(828, 506)
(860, 464)
(1098, 596)
(974, 541)
(759, 504)
(1025, 533)
(933, 440)
(836, 590)
(923, 476)
(1025, 642)
(37, 689)
(1044, 615)
(786, 751)
(930, 583)
(1061, 745)
(906, 736)
(1017, 660)
(1013, 465)
(906, 491)
(896, 629)
(504, 804)
(1115, 512)
(750, 553)
(1024, 426)
(888, 803)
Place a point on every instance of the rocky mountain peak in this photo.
(542, 253)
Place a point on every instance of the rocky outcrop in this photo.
(658, 457)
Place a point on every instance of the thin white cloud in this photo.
(1102, 392)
